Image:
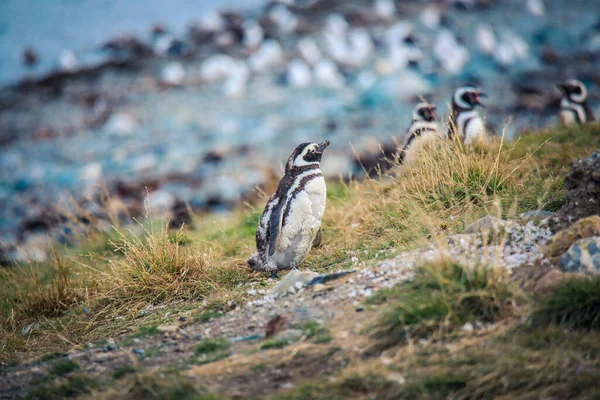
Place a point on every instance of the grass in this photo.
(160, 385)
(276, 343)
(120, 372)
(574, 304)
(442, 297)
(73, 386)
(211, 350)
(62, 367)
(211, 345)
(315, 331)
(99, 289)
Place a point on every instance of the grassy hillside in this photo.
(105, 287)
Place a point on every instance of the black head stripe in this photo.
(297, 151)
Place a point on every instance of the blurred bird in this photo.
(292, 217)
(423, 128)
(465, 121)
(573, 105)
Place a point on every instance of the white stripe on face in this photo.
(299, 161)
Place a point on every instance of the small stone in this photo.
(359, 309)
(487, 223)
(468, 327)
(319, 287)
(168, 328)
(139, 352)
(109, 347)
(396, 377)
(290, 334)
(548, 281)
(288, 283)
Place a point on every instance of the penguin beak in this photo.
(562, 88)
(322, 146)
(431, 113)
(478, 97)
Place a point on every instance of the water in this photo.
(52, 26)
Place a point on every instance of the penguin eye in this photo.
(466, 97)
(577, 90)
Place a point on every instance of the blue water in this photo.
(51, 26)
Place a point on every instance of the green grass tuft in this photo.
(211, 346)
(441, 297)
(276, 343)
(62, 367)
(74, 386)
(123, 370)
(574, 304)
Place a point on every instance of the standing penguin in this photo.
(292, 217)
(422, 129)
(465, 121)
(573, 105)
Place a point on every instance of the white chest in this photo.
(470, 126)
(571, 112)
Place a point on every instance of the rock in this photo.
(324, 278)
(168, 328)
(319, 287)
(288, 283)
(582, 256)
(289, 334)
(138, 352)
(561, 241)
(396, 377)
(548, 281)
(582, 186)
(275, 324)
(486, 224)
(468, 327)
(537, 214)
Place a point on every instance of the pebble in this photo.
(582, 256)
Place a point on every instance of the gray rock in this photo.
(488, 223)
(289, 334)
(291, 282)
(536, 214)
(582, 256)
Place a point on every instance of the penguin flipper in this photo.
(275, 225)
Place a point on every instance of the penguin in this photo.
(292, 217)
(573, 105)
(465, 121)
(422, 129)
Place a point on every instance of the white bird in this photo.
(268, 55)
(299, 74)
(452, 55)
(309, 50)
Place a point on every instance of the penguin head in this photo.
(574, 90)
(467, 97)
(424, 112)
(306, 154)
